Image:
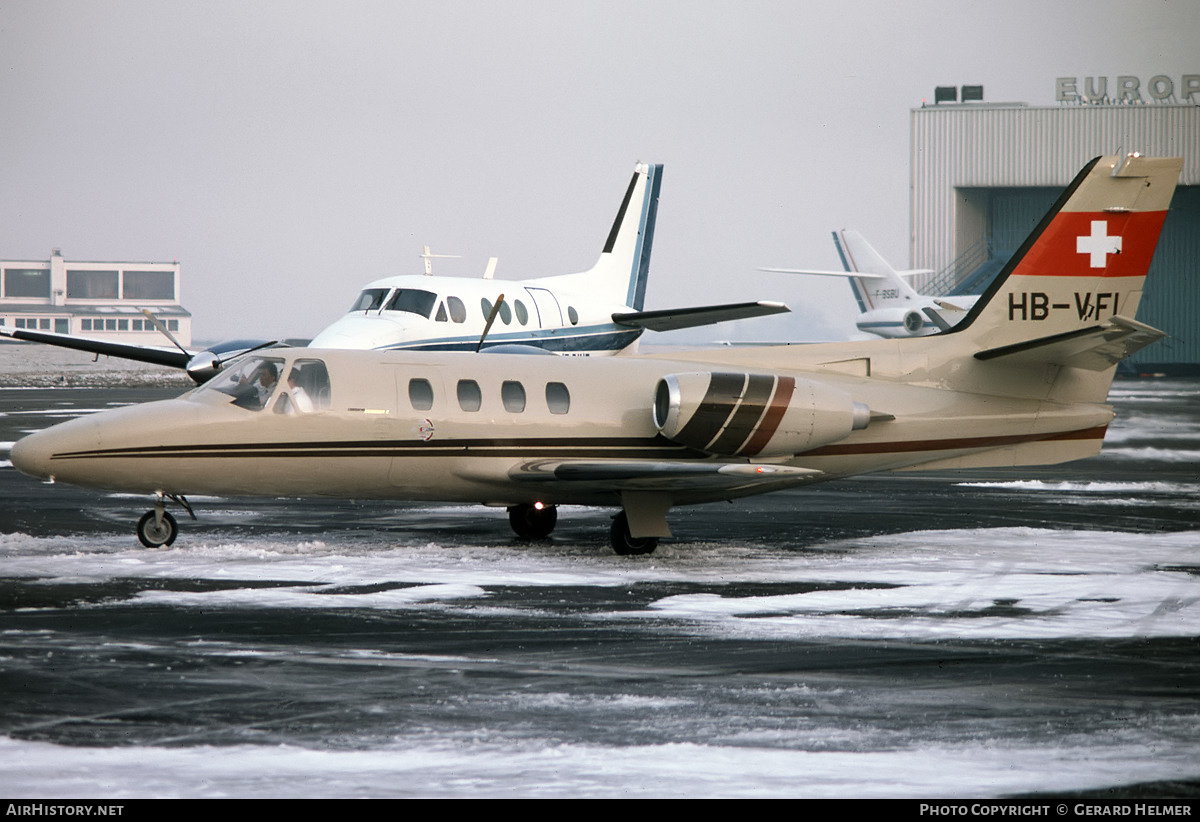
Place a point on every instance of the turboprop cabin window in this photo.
(250, 382)
(412, 300)
(370, 300)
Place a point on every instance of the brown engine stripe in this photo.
(770, 422)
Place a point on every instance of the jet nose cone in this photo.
(31, 455)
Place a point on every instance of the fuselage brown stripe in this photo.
(650, 449)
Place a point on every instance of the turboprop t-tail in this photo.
(597, 311)
(888, 306)
(1022, 380)
(592, 312)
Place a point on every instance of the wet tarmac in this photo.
(965, 634)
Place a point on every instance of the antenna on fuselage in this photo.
(429, 256)
(490, 271)
(488, 325)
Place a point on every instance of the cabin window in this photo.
(370, 300)
(420, 394)
(558, 398)
(505, 313)
(485, 305)
(458, 311)
(470, 398)
(250, 381)
(522, 312)
(512, 394)
(413, 301)
(572, 315)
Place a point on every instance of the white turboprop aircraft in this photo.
(888, 306)
(598, 311)
(1022, 380)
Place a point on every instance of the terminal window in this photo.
(92, 285)
(26, 282)
(148, 285)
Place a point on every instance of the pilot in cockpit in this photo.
(254, 390)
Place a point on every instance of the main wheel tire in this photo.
(627, 545)
(530, 522)
(153, 535)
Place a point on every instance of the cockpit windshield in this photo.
(299, 388)
(250, 381)
(412, 300)
(370, 300)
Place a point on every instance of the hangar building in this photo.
(984, 174)
(90, 299)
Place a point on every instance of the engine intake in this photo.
(747, 415)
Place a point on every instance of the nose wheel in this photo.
(157, 528)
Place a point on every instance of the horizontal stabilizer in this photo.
(858, 275)
(171, 357)
(671, 319)
(1096, 349)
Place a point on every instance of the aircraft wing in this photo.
(172, 357)
(670, 319)
(1096, 349)
(663, 475)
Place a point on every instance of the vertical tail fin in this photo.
(886, 288)
(620, 274)
(1085, 263)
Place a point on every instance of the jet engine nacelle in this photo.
(894, 322)
(746, 415)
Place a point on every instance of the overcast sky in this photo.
(287, 152)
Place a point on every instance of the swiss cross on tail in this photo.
(1098, 245)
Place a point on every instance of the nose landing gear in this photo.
(157, 527)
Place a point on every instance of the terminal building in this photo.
(89, 299)
(984, 174)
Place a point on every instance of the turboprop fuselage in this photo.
(452, 314)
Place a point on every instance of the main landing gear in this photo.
(532, 520)
(157, 528)
(536, 521)
(625, 544)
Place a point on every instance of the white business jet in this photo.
(888, 306)
(597, 311)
